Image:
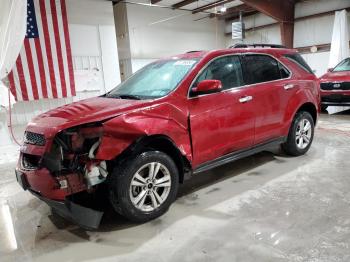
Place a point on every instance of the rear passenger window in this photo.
(263, 68)
(226, 69)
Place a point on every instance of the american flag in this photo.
(44, 68)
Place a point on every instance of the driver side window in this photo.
(226, 69)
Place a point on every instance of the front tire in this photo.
(143, 187)
(301, 134)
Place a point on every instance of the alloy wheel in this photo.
(150, 186)
(303, 133)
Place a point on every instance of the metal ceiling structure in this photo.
(281, 11)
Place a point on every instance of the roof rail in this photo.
(194, 51)
(257, 45)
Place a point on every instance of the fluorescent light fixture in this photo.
(223, 9)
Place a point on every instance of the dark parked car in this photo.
(175, 117)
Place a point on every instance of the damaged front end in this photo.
(67, 175)
(72, 158)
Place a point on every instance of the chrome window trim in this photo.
(237, 87)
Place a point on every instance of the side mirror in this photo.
(207, 87)
(330, 70)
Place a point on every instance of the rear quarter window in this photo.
(299, 60)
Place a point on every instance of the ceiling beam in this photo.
(183, 3)
(282, 11)
(211, 5)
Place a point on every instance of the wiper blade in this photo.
(130, 97)
(134, 97)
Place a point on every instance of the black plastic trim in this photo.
(85, 217)
(238, 155)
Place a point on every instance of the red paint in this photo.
(337, 96)
(208, 85)
(202, 127)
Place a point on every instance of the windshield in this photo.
(154, 80)
(343, 66)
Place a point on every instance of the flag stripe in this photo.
(12, 85)
(51, 36)
(36, 67)
(44, 67)
(17, 85)
(42, 56)
(21, 78)
(48, 47)
(26, 75)
(58, 48)
(64, 48)
(30, 65)
(40, 62)
(68, 47)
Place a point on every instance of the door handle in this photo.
(289, 86)
(245, 99)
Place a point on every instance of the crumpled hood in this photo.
(336, 76)
(85, 111)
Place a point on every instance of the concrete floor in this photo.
(263, 208)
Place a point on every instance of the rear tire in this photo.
(143, 187)
(300, 135)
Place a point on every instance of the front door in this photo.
(221, 122)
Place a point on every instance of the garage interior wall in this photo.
(306, 32)
(95, 56)
(153, 30)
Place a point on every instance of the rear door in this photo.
(221, 122)
(272, 89)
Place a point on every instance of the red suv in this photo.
(175, 117)
(335, 85)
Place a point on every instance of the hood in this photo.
(336, 76)
(83, 112)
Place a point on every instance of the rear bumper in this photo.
(83, 216)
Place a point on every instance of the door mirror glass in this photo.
(207, 87)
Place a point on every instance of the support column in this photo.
(282, 11)
(287, 34)
(123, 40)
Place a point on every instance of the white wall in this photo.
(158, 32)
(308, 32)
(95, 56)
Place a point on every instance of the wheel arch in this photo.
(163, 144)
(310, 108)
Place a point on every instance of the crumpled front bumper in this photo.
(83, 216)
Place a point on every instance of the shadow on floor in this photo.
(112, 221)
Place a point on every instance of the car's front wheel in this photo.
(301, 134)
(143, 187)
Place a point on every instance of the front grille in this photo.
(34, 139)
(336, 86)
